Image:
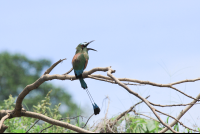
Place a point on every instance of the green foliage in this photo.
(133, 124)
(17, 71)
(21, 125)
(137, 124)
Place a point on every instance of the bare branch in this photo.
(3, 119)
(145, 116)
(47, 77)
(172, 104)
(55, 64)
(60, 120)
(34, 124)
(140, 97)
(18, 111)
(55, 122)
(68, 71)
(179, 82)
(127, 111)
(113, 82)
(107, 107)
(176, 120)
(180, 115)
(146, 82)
(3, 128)
(88, 120)
(149, 83)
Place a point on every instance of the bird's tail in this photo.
(95, 107)
(83, 84)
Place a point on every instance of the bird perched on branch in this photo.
(79, 62)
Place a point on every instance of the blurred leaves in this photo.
(17, 71)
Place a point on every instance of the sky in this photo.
(155, 41)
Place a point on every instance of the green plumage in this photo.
(79, 63)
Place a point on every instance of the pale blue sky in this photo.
(145, 40)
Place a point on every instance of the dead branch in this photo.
(109, 73)
(145, 116)
(68, 71)
(176, 120)
(113, 82)
(88, 120)
(55, 122)
(19, 111)
(180, 115)
(127, 111)
(47, 77)
(51, 68)
(3, 119)
(151, 83)
(172, 104)
(34, 124)
(3, 128)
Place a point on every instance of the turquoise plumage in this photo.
(79, 62)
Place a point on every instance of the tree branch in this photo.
(55, 122)
(55, 64)
(18, 111)
(145, 116)
(172, 104)
(137, 95)
(68, 71)
(180, 115)
(176, 120)
(3, 119)
(88, 120)
(3, 128)
(127, 111)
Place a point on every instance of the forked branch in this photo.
(18, 111)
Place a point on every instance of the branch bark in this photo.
(19, 111)
(55, 122)
(180, 115)
(109, 73)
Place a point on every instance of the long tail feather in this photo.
(83, 84)
(95, 107)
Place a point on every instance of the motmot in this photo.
(79, 63)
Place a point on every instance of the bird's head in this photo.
(82, 47)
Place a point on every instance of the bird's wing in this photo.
(79, 63)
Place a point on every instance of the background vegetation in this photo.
(17, 71)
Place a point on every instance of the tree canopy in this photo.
(17, 71)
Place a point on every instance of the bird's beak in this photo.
(88, 43)
(91, 49)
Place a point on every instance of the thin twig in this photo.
(88, 120)
(145, 116)
(109, 73)
(68, 71)
(113, 82)
(60, 120)
(55, 64)
(173, 104)
(180, 115)
(34, 123)
(176, 120)
(170, 85)
(127, 111)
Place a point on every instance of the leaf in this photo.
(18, 131)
